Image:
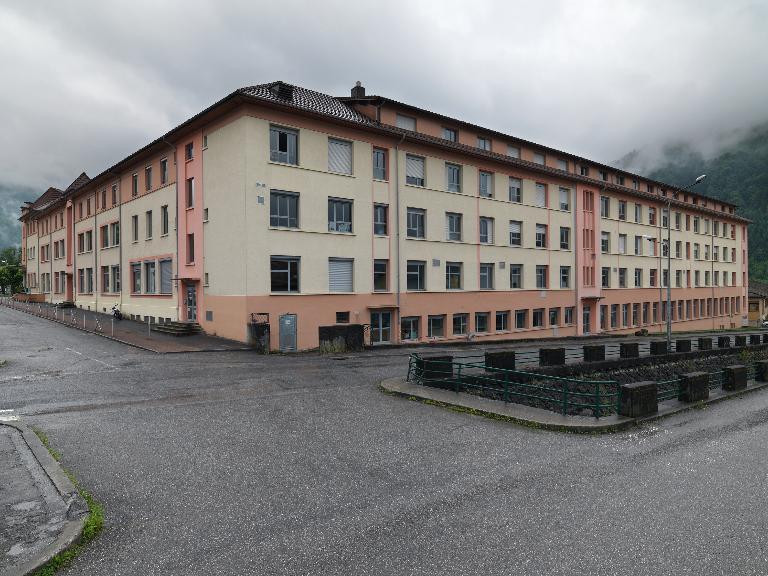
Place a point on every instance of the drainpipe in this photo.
(397, 227)
(176, 226)
(119, 246)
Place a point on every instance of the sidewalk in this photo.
(42, 511)
(126, 331)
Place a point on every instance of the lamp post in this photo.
(669, 260)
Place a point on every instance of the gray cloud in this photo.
(86, 82)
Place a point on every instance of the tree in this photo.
(11, 272)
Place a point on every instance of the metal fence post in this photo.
(113, 326)
(506, 386)
(458, 377)
(596, 409)
(565, 397)
(148, 328)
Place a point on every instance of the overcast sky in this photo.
(86, 83)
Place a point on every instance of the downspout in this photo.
(119, 246)
(176, 229)
(397, 228)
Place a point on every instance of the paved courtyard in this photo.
(232, 463)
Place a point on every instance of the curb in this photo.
(536, 417)
(77, 508)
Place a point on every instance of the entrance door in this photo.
(287, 333)
(381, 327)
(191, 302)
(586, 319)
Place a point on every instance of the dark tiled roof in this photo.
(301, 98)
(758, 289)
(47, 198)
(81, 180)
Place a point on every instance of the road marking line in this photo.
(107, 364)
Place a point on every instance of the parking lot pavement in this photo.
(231, 463)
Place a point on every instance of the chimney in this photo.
(358, 91)
(282, 90)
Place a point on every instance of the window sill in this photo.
(164, 235)
(385, 180)
(285, 293)
(188, 208)
(149, 238)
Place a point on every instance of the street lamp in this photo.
(669, 260)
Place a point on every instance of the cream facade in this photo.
(302, 210)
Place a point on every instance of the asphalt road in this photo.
(231, 463)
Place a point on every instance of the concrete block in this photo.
(594, 353)
(754, 339)
(765, 337)
(694, 386)
(629, 350)
(551, 356)
(761, 370)
(740, 341)
(682, 346)
(735, 378)
(638, 399)
(723, 341)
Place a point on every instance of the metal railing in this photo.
(568, 396)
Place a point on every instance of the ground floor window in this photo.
(409, 328)
(481, 321)
(381, 327)
(460, 322)
(436, 326)
(502, 321)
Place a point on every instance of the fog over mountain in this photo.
(85, 83)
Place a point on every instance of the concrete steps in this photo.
(178, 328)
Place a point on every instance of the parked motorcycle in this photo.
(116, 313)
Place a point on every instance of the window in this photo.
(541, 236)
(164, 171)
(415, 273)
(136, 278)
(486, 230)
(339, 215)
(606, 277)
(452, 226)
(696, 251)
(584, 170)
(653, 277)
(521, 319)
(677, 220)
(409, 328)
(622, 277)
(513, 151)
(135, 228)
(190, 193)
(453, 276)
(562, 164)
(284, 273)
(541, 195)
(380, 217)
(554, 316)
(190, 248)
(406, 122)
(638, 277)
(565, 238)
(542, 274)
(340, 274)
(605, 242)
(565, 199)
(283, 145)
(339, 156)
(515, 275)
(148, 178)
(103, 199)
(638, 213)
(678, 249)
(665, 218)
(482, 320)
(652, 216)
(166, 276)
(451, 134)
(149, 277)
(679, 278)
(622, 243)
(614, 315)
(414, 170)
(115, 278)
(379, 164)
(502, 321)
(538, 158)
(134, 188)
(415, 223)
(605, 207)
(114, 195)
(283, 209)
(486, 184)
(622, 210)
(114, 230)
(148, 220)
(89, 240)
(486, 276)
(538, 318)
(189, 151)
(164, 224)
(460, 322)
(342, 317)
(603, 176)
(484, 143)
(436, 326)
(380, 275)
(515, 190)
(453, 177)
(565, 276)
(104, 234)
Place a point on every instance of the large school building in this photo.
(304, 210)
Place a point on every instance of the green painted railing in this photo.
(558, 394)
